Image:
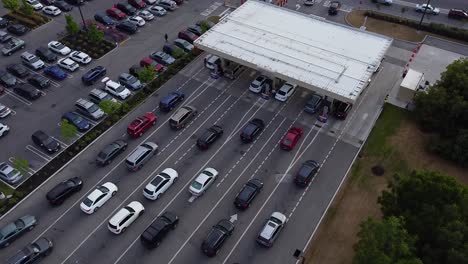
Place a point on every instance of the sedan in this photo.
(63, 190)
(216, 237)
(33, 252)
(141, 124)
(14, 230)
(116, 13)
(80, 57)
(9, 174)
(58, 47)
(18, 70)
(162, 57)
(130, 81)
(183, 44)
(68, 64)
(51, 10)
(188, 36)
(285, 92)
(63, 6)
(127, 27)
(35, 4)
(160, 184)
(306, 173)
(4, 111)
(209, 137)
(46, 142)
(458, 13)
(6, 79)
(140, 4)
(104, 19)
(291, 138)
(146, 15)
(203, 181)
(125, 217)
(93, 75)
(98, 197)
(137, 21)
(157, 11)
(246, 195)
(27, 91)
(76, 120)
(148, 62)
(17, 29)
(45, 54)
(197, 30)
(55, 72)
(39, 81)
(4, 129)
(110, 152)
(252, 130)
(314, 104)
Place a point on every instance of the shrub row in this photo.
(31, 21)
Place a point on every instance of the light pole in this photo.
(424, 13)
(82, 18)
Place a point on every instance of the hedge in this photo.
(31, 22)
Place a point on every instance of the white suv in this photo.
(160, 184)
(285, 92)
(68, 64)
(80, 57)
(125, 217)
(116, 89)
(271, 230)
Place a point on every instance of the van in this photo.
(141, 155)
(180, 118)
(232, 70)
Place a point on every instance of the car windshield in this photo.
(129, 209)
(34, 2)
(77, 119)
(49, 140)
(103, 189)
(60, 46)
(93, 108)
(33, 59)
(19, 224)
(208, 173)
(305, 171)
(88, 202)
(281, 92)
(245, 193)
(119, 89)
(102, 155)
(165, 175)
(287, 141)
(250, 128)
(197, 185)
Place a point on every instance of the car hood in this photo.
(29, 220)
(52, 145)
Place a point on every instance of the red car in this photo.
(291, 138)
(116, 13)
(141, 124)
(150, 62)
(187, 35)
(140, 4)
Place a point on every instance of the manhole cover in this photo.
(378, 170)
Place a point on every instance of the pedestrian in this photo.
(165, 37)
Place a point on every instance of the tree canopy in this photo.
(72, 26)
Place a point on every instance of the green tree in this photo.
(26, 8)
(72, 27)
(109, 107)
(147, 74)
(67, 130)
(177, 52)
(94, 34)
(435, 209)
(385, 242)
(22, 165)
(13, 5)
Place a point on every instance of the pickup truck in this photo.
(428, 9)
(13, 45)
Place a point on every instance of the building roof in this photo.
(330, 58)
(412, 80)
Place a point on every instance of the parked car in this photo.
(286, 91)
(80, 57)
(257, 85)
(138, 158)
(150, 2)
(59, 48)
(103, 18)
(162, 57)
(97, 96)
(47, 2)
(4, 37)
(429, 9)
(110, 152)
(32, 252)
(138, 21)
(127, 27)
(13, 230)
(45, 54)
(125, 217)
(179, 2)
(98, 197)
(4, 111)
(209, 137)
(184, 45)
(160, 184)
(291, 138)
(63, 190)
(182, 117)
(13, 45)
(130, 81)
(6, 79)
(309, 2)
(75, 119)
(139, 4)
(46, 142)
(157, 11)
(197, 30)
(35, 4)
(215, 239)
(203, 181)
(334, 7)
(248, 193)
(314, 104)
(89, 109)
(252, 130)
(68, 64)
(27, 91)
(126, 8)
(32, 61)
(17, 29)
(155, 233)
(4, 22)
(4, 129)
(75, 2)
(39, 81)
(167, 4)
(141, 124)
(93, 75)
(116, 13)
(17, 70)
(188, 36)
(306, 173)
(116, 89)
(148, 62)
(341, 109)
(51, 10)
(170, 101)
(146, 15)
(63, 6)
(271, 229)
(55, 72)
(458, 13)
(135, 69)
(9, 174)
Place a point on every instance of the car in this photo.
(47, 2)
(9, 174)
(17, 29)
(33, 252)
(157, 10)
(385, 2)
(137, 21)
(209, 137)
(205, 23)
(160, 184)
(306, 173)
(51, 10)
(146, 15)
(247, 194)
(142, 154)
(130, 81)
(55, 72)
(334, 7)
(4, 37)
(215, 239)
(110, 152)
(184, 45)
(341, 109)
(139, 4)
(75, 119)
(4, 129)
(75, 2)
(116, 13)
(13, 45)
(63, 6)
(27, 91)
(458, 13)
(17, 70)
(63, 190)
(309, 2)
(45, 54)
(126, 8)
(170, 101)
(32, 61)
(148, 62)
(39, 81)
(6, 79)
(252, 130)
(93, 75)
(257, 85)
(291, 138)
(187, 35)
(141, 124)
(150, 2)
(135, 69)
(35, 4)
(162, 57)
(98, 197)
(429, 9)
(59, 48)
(80, 57)
(4, 111)
(127, 27)
(103, 18)
(271, 229)
(314, 104)
(167, 4)
(155, 233)
(179, 2)
(12, 231)
(89, 109)
(125, 217)
(116, 89)
(68, 64)
(46, 142)
(4, 22)
(285, 92)
(203, 181)
(182, 117)
(97, 96)
(197, 30)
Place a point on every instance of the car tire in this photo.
(141, 213)
(123, 230)
(31, 227)
(175, 179)
(113, 193)
(159, 196)
(96, 209)
(158, 243)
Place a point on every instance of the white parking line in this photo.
(29, 170)
(61, 142)
(12, 94)
(38, 153)
(192, 198)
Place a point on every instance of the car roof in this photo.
(95, 194)
(122, 213)
(202, 178)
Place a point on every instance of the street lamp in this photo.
(424, 13)
(82, 18)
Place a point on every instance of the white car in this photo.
(150, 2)
(428, 9)
(146, 15)
(125, 217)
(80, 57)
(285, 92)
(257, 85)
(116, 89)
(271, 229)
(51, 10)
(68, 64)
(157, 10)
(160, 184)
(35, 4)
(137, 21)
(4, 110)
(98, 197)
(58, 47)
(203, 181)
(4, 129)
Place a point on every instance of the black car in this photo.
(334, 7)
(4, 22)
(314, 104)
(128, 9)
(17, 29)
(45, 54)
(75, 2)
(93, 75)
(63, 190)
(246, 195)
(135, 69)
(197, 30)
(252, 130)
(458, 13)
(48, 2)
(39, 81)
(6, 79)
(306, 172)
(216, 237)
(62, 5)
(127, 27)
(32, 252)
(27, 91)
(104, 19)
(110, 152)
(341, 109)
(155, 233)
(18, 70)
(209, 137)
(45, 141)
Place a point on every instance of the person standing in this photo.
(165, 37)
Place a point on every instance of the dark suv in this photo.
(45, 54)
(39, 81)
(63, 190)
(252, 130)
(341, 109)
(93, 75)
(245, 197)
(27, 91)
(216, 237)
(45, 141)
(170, 101)
(306, 173)
(126, 8)
(209, 137)
(458, 13)
(110, 152)
(155, 233)
(32, 252)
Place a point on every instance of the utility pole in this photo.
(424, 13)
(82, 18)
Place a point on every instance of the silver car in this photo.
(9, 174)
(14, 230)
